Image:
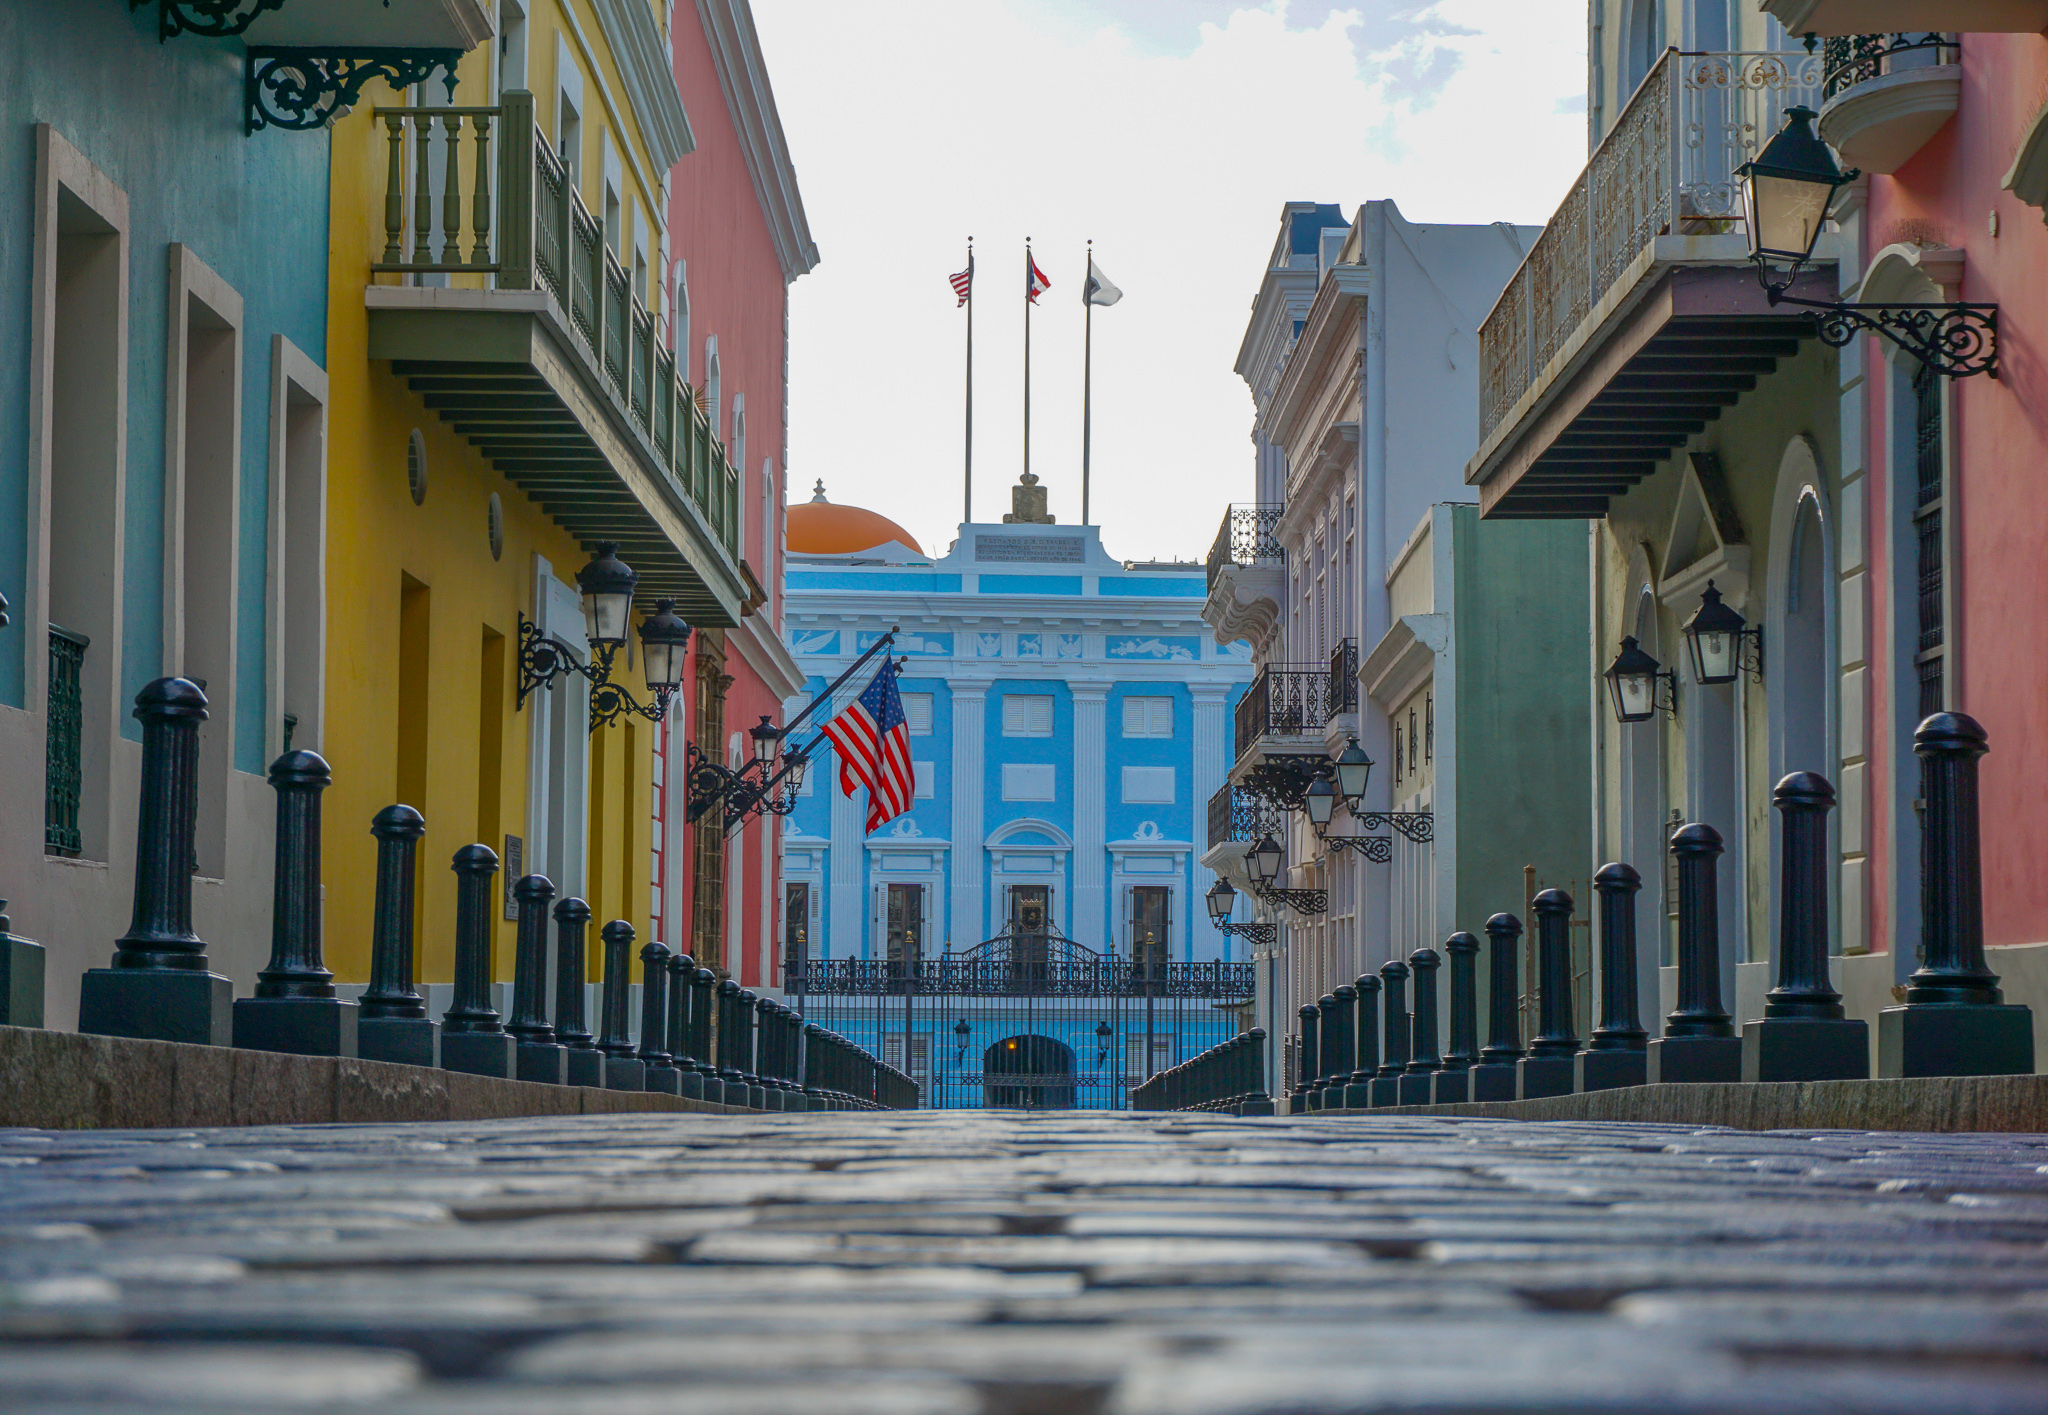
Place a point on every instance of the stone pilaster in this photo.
(1205, 778)
(849, 893)
(1091, 925)
(970, 860)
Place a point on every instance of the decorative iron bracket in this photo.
(1301, 901)
(1280, 780)
(1258, 933)
(1418, 826)
(1956, 341)
(1749, 652)
(609, 702)
(1377, 848)
(747, 792)
(212, 19)
(542, 661)
(303, 89)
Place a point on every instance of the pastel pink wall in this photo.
(736, 295)
(1998, 485)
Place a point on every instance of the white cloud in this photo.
(1006, 118)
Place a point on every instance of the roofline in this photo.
(750, 98)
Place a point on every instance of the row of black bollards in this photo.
(700, 1036)
(1229, 1078)
(1953, 1021)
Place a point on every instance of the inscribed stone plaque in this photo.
(1059, 550)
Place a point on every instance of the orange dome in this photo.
(818, 527)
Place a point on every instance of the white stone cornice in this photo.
(743, 75)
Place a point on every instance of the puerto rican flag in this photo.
(873, 738)
(1035, 283)
(963, 283)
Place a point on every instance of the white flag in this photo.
(1100, 291)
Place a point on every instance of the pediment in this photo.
(1706, 540)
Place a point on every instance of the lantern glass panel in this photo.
(1320, 801)
(1786, 215)
(1713, 656)
(1222, 899)
(1635, 696)
(1354, 770)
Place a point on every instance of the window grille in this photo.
(1927, 526)
(64, 747)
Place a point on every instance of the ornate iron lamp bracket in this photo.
(213, 19)
(1418, 826)
(1955, 341)
(542, 661)
(1258, 933)
(301, 89)
(609, 702)
(1281, 780)
(1301, 901)
(1377, 848)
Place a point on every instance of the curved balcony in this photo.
(1246, 575)
(1885, 95)
(1803, 17)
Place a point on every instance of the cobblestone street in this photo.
(928, 1264)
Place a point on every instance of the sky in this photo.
(1168, 131)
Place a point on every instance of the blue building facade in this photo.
(1069, 715)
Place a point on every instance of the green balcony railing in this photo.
(64, 769)
(521, 225)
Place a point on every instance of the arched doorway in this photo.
(1028, 1073)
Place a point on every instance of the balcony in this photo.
(532, 342)
(1342, 690)
(1636, 317)
(1247, 572)
(1839, 17)
(1284, 711)
(1238, 817)
(1885, 95)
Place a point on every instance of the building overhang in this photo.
(1634, 387)
(1244, 603)
(1878, 124)
(1404, 658)
(500, 368)
(1835, 17)
(416, 24)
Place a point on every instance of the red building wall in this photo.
(1948, 194)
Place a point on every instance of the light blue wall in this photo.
(163, 121)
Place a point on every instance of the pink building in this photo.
(1952, 135)
(737, 238)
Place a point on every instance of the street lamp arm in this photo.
(1956, 340)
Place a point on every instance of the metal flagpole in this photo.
(1027, 355)
(967, 510)
(1087, 373)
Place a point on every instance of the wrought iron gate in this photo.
(1029, 1019)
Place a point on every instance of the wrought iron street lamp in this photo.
(664, 638)
(960, 1031)
(607, 585)
(1102, 1038)
(1354, 770)
(1721, 642)
(1222, 897)
(1319, 799)
(1787, 192)
(1264, 861)
(1632, 681)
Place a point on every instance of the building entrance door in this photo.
(796, 926)
(905, 923)
(1030, 904)
(1149, 929)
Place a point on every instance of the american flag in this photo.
(963, 282)
(873, 739)
(1035, 283)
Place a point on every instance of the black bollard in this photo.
(1548, 1069)
(1308, 1052)
(539, 1056)
(1699, 1042)
(623, 1069)
(682, 1026)
(1326, 1051)
(159, 986)
(1494, 1077)
(1616, 1052)
(1453, 1082)
(732, 1041)
(473, 1038)
(21, 960)
(585, 1062)
(391, 1017)
(1803, 1034)
(703, 1033)
(816, 1092)
(295, 1009)
(1257, 1098)
(1955, 1021)
(766, 1066)
(1386, 1080)
(747, 1017)
(661, 1072)
(1423, 1058)
(1358, 1085)
(1340, 1034)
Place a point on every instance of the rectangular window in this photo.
(905, 923)
(1148, 717)
(917, 711)
(1027, 715)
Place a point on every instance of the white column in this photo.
(1091, 792)
(849, 897)
(1205, 779)
(970, 860)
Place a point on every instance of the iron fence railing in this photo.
(522, 225)
(1343, 689)
(960, 976)
(1236, 814)
(1851, 59)
(1282, 699)
(1246, 538)
(64, 746)
(1668, 165)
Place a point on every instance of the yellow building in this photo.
(500, 400)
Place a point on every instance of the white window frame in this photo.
(1016, 721)
(1149, 707)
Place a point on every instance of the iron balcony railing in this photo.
(1667, 166)
(1344, 677)
(64, 746)
(1020, 963)
(1237, 815)
(1851, 59)
(1283, 699)
(1246, 538)
(522, 225)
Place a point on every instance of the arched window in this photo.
(714, 393)
(681, 317)
(1642, 42)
